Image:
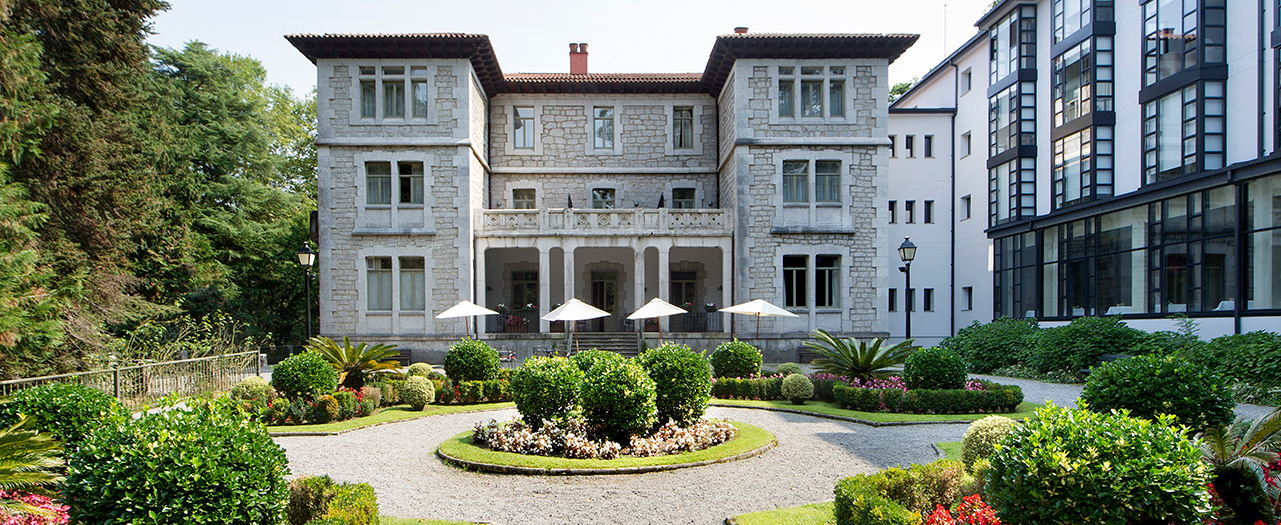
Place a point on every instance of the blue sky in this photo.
(665, 36)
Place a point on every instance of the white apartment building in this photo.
(1094, 157)
(443, 179)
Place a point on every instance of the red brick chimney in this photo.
(578, 59)
(740, 30)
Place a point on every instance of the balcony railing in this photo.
(569, 221)
(527, 322)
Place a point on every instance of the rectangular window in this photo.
(603, 198)
(524, 199)
(420, 98)
(929, 146)
(893, 299)
(928, 300)
(967, 81)
(786, 97)
(1169, 135)
(603, 128)
(909, 209)
(909, 301)
(683, 198)
(413, 284)
(794, 281)
(837, 98)
(523, 127)
(966, 148)
(368, 99)
(393, 98)
(967, 297)
(827, 281)
(796, 181)
(929, 212)
(378, 283)
(893, 146)
(827, 181)
(966, 207)
(377, 183)
(909, 145)
(683, 127)
(811, 70)
(893, 212)
(811, 98)
(411, 182)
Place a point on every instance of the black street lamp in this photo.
(307, 258)
(907, 252)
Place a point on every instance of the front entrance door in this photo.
(604, 295)
(683, 295)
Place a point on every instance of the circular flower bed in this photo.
(570, 439)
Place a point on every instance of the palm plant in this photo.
(28, 462)
(856, 359)
(355, 363)
(1238, 453)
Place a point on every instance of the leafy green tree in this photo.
(30, 307)
(901, 88)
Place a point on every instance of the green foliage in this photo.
(29, 461)
(224, 469)
(347, 406)
(1151, 385)
(1000, 343)
(180, 337)
(682, 381)
(898, 90)
(309, 498)
(1074, 466)
(1238, 453)
(994, 398)
(420, 369)
(353, 504)
(895, 495)
(68, 411)
(763, 388)
(736, 359)
(1079, 344)
(471, 360)
(618, 400)
(318, 500)
(1253, 357)
(354, 364)
(797, 388)
(30, 321)
(590, 358)
(305, 375)
(788, 369)
(251, 389)
(981, 438)
(546, 388)
(324, 410)
(859, 503)
(855, 359)
(934, 369)
(417, 392)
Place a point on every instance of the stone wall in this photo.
(339, 94)
(631, 190)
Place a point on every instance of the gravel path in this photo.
(813, 453)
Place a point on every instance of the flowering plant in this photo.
(54, 514)
(711, 307)
(971, 511)
(889, 383)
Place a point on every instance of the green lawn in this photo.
(388, 520)
(749, 438)
(812, 514)
(952, 449)
(1025, 409)
(396, 413)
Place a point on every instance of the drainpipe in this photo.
(1263, 48)
(956, 105)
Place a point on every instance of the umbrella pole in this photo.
(758, 328)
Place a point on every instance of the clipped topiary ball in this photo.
(252, 389)
(981, 436)
(472, 360)
(683, 381)
(546, 388)
(797, 388)
(618, 400)
(788, 369)
(69, 411)
(304, 376)
(420, 369)
(417, 392)
(325, 410)
(589, 358)
(934, 369)
(736, 359)
(1151, 385)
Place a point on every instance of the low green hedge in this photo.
(996, 398)
(762, 388)
(449, 392)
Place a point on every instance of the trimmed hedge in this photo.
(980, 439)
(1253, 357)
(797, 388)
(683, 382)
(1151, 385)
(546, 388)
(762, 388)
(472, 360)
(934, 368)
(317, 500)
(304, 376)
(996, 398)
(1000, 343)
(69, 411)
(589, 358)
(736, 359)
(859, 503)
(418, 392)
(450, 392)
(618, 400)
(1078, 345)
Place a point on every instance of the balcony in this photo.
(625, 222)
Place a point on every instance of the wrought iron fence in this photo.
(513, 322)
(698, 322)
(141, 385)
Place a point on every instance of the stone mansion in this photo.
(442, 178)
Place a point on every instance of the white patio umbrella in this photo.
(758, 308)
(574, 310)
(656, 308)
(465, 309)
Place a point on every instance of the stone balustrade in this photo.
(634, 221)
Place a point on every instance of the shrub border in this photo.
(535, 471)
(507, 406)
(857, 420)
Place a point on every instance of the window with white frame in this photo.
(603, 127)
(928, 212)
(603, 198)
(821, 90)
(967, 297)
(909, 209)
(413, 284)
(524, 199)
(523, 127)
(683, 127)
(893, 212)
(378, 283)
(827, 281)
(893, 146)
(928, 300)
(966, 207)
(683, 198)
(392, 92)
(909, 145)
(929, 146)
(893, 299)
(794, 267)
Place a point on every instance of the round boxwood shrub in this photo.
(797, 388)
(304, 376)
(252, 389)
(589, 358)
(1000, 343)
(69, 411)
(788, 369)
(420, 369)
(417, 392)
(546, 388)
(1067, 467)
(471, 360)
(1151, 385)
(325, 409)
(202, 463)
(979, 440)
(934, 369)
(1078, 345)
(683, 382)
(618, 400)
(736, 359)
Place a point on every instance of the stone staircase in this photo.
(625, 343)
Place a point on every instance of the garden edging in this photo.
(339, 432)
(533, 471)
(875, 424)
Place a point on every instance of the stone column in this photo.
(544, 286)
(569, 270)
(481, 297)
(727, 281)
(665, 279)
(638, 269)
